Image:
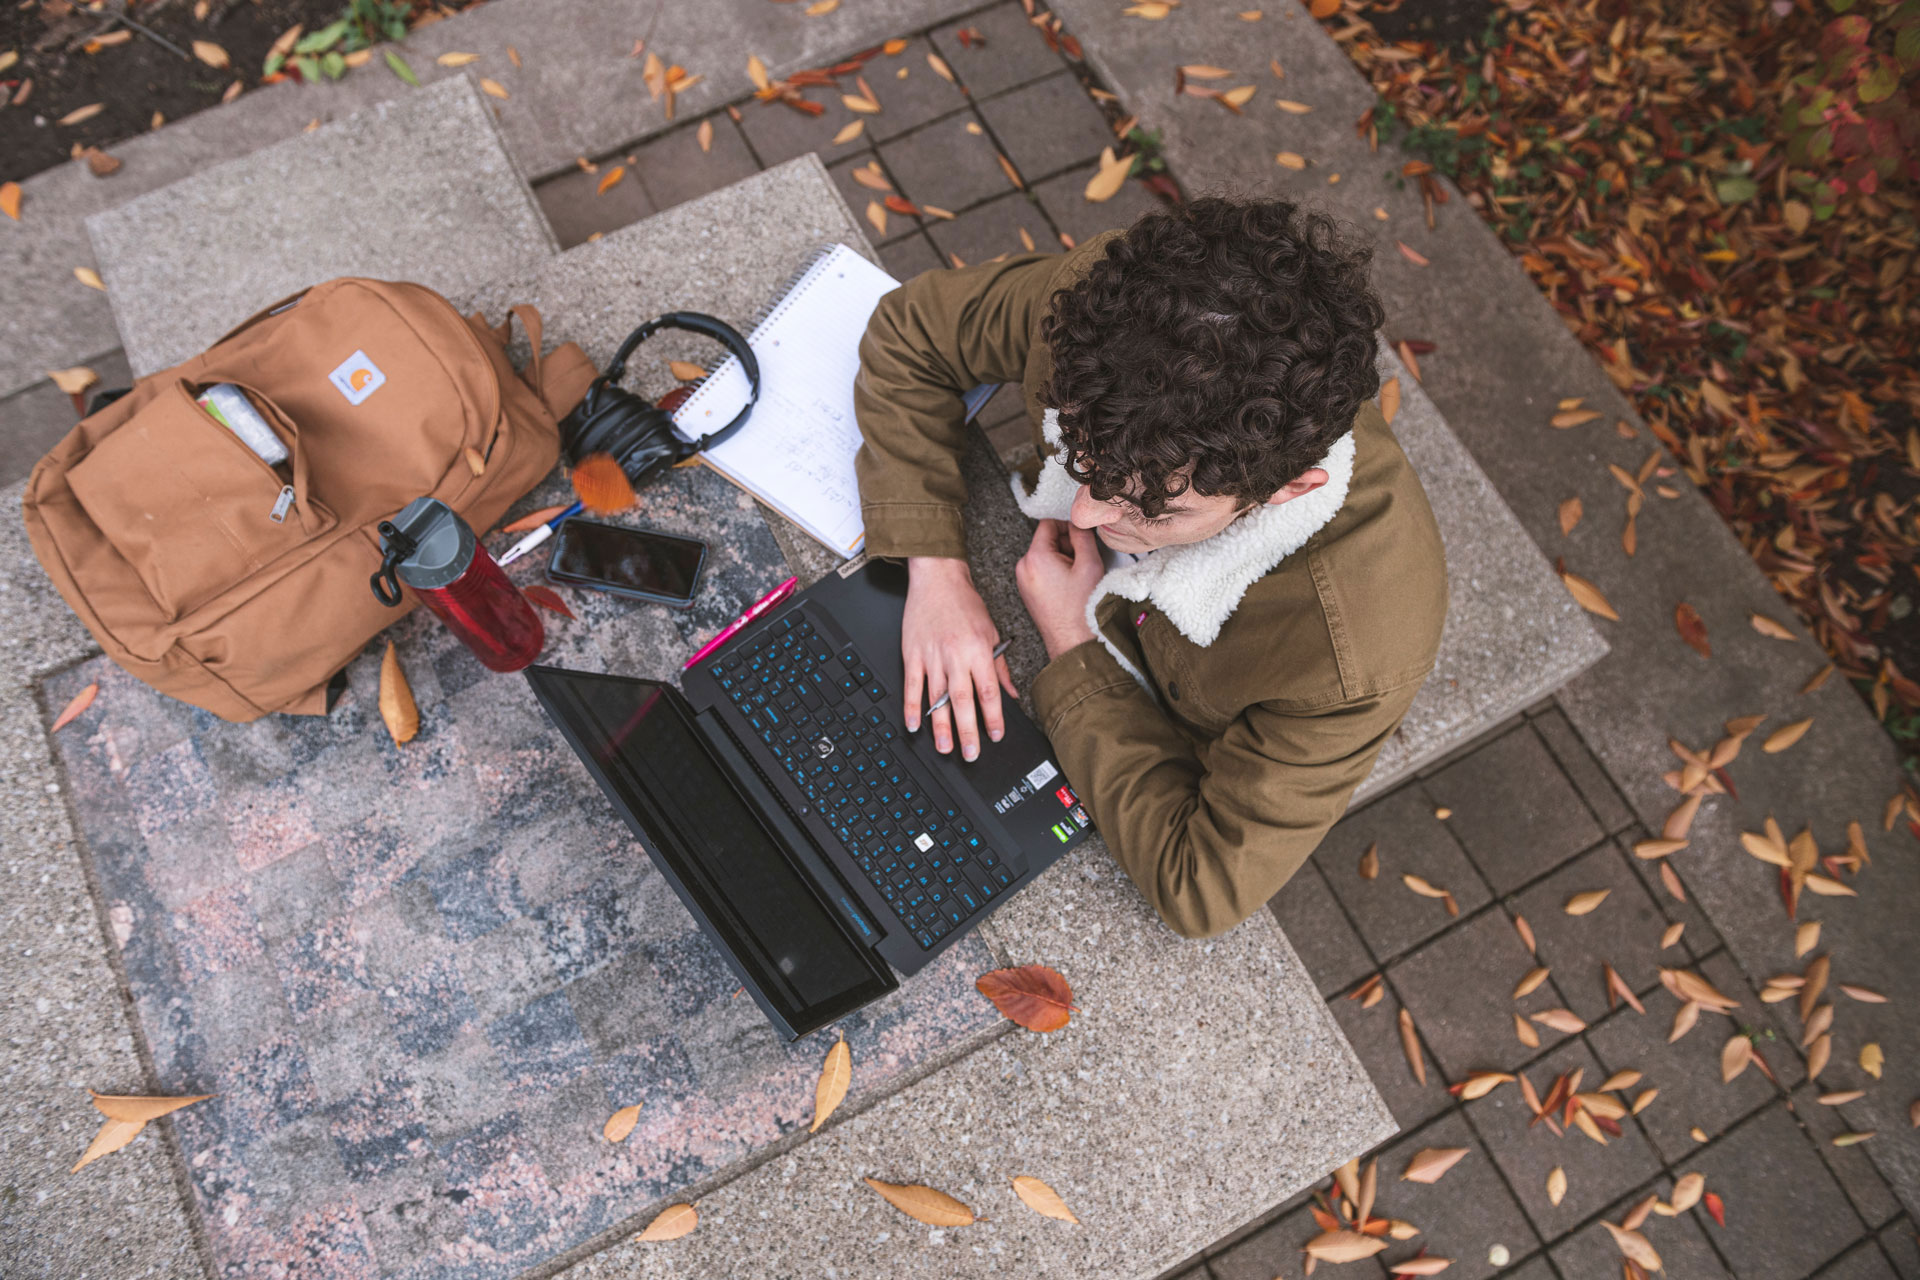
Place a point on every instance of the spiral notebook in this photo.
(796, 452)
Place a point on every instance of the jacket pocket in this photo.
(189, 506)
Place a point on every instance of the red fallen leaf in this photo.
(548, 598)
(532, 520)
(1716, 1207)
(1687, 620)
(902, 205)
(1325, 1220)
(1033, 995)
(81, 701)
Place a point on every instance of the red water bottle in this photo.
(434, 553)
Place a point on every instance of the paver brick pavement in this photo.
(1514, 810)
(1864, 1261)
(1391, 917)
(1686, 1072)
(1786, 1216)
(1063, 196)
(1849, 1165)
(993, 229)
(1624, 930)
(946, 165)
(910, 100)
(1588, 778)
(577, 210)
(1318, 928)
(1005, 54)
(1375, 1036)
(1047, 126)
(674, 169)
(1275, 1251)
(1459, 988)
(1682, 1242)
(1461, 1216)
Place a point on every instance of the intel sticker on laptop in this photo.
(357, 377)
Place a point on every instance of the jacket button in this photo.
(1173, 690)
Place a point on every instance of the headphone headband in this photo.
(707, 327)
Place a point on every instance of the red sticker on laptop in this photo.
(1065, 796)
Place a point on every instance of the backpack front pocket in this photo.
(190, 507)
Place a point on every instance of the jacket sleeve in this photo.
(1207, 842)
(929, 342)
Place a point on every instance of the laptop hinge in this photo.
(799, 846)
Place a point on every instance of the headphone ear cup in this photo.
(646, 444)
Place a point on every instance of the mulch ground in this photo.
(1634, 157)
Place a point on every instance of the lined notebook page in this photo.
(796, 451)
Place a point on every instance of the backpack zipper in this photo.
(281, 505)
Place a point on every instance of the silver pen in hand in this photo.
(999, 650)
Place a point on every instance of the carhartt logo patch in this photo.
(357, 377)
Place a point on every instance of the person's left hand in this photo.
(1056, 577)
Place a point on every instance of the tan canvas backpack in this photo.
(241, 587)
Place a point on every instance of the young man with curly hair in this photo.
(1236, 574)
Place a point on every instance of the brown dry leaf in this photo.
(397, 707)
(674, 1221)
(1588, 596)
(90, 278)
(924, 1204)
(1766, 846)
(1806, 938)
(1556, 1186)
(1913, 1113)
(1204, 71)
(1635, 1247)
(445, 59)
(10, 200)
(1238, 97)
(1530, 982)
(877, 216)
(819, 7)
(1692, 628)
(1410, 1045)
(1871, 1059)
(1736, 1055)
(1369, 1190)
(1817, 679)
(1291, 107)
(757, 72)
(1563, 1020)
(1525, 930)
(1421, 886)
(1422, 1265)
(1411, 254)
(864, 106)
(1688, 985)
(940, 67)
(1828, 887)
(1687, 1190)
(835, 1074)
(1430, 1164)
(621, 1123)
(100, 163)
(1347, 1178)
(1672, 934)
(685, 370)
(1032, 995)
(1671, 882)
(211, 54)
(126, 1117)
(80, 115)
(601, 484)
(1290, 160)
(1866, 995)
(1644, 1100)
(1343, 1246)
(493, 89)
(1617, 986)
(1768, 627)
(1819, 1053)
(1390, 399)
(1785, 736)
(1370, 862)
(1110, 177)
(704, 135)
(1620, 1080)
(1852, 1139)
(1482, 1083)
(1648, 850)
(1523, 1032)
(1570, 512)
(1680, 821)
(869, 176)
(1013, 175)
(1042, 1199)
(1573, 417)
(79, 703)
(1582, 903)
(849, 132)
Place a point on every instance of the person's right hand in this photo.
(947, 640)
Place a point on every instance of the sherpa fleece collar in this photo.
(1198, 585)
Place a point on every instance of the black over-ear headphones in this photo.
(640, 436)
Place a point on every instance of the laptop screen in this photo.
(643, 752)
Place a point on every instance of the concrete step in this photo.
(575, 92)
(420, 188)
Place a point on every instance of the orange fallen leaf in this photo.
(1525, 930)
(79, 703)
(831, 1089)
(610, 179)
(940, 67)
(1410, 1045)
(1570, 512)
(90, 278)
(1872, 1060)
(674, 1221)
(1423, 1265)
(601, 484)
(1582, 903)
(80, 115)
(1523, 1032)
(10, 200)
(1785, 736)
(1013, 175)
(1323, 8)
(1633, 1246)
(1865, 995)
(493, 89)
(819, 7)
(1572, 418)
(1768, 627)
(1042, 1199)
(1390, 398)
(549, 599)
(924, 1204)
(621, 1123)
(445, 59)
(1556, 1185)
(1672, 934)
(1736, 1055)
(1032, 995)
(1687, 620)
(1343, 1246)
(397, 707)
(1563, 1020)
(1295, 161)
(1370, 862)
(1659, 847)
(1588, 596)
(1110, 177)
(126, 1116)
(685, 370)
(532, 520)
(704, 135)
(1430, 1164)
(1480, 1084)
(877, 216)
(1530, 982)
(849, 132)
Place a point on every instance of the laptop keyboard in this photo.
(829, 725)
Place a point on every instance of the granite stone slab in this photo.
(420, 189)
(574, 93)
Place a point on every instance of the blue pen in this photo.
(539, 535)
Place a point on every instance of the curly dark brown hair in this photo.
(1221, 346)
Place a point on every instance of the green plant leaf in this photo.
(308, 66)
(274, 63)
(325, 38)
(401, 69)
(1880, 83)
(1735, 188)
(333, 64)
(1906, 45)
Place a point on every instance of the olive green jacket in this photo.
(1240, 687)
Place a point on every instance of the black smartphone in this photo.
(642, 564)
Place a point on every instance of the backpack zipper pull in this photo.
(282, 505)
